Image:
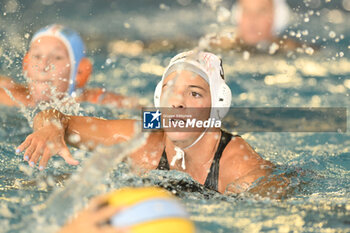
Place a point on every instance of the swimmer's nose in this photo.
(45, 64)
(177, 102)
(173, 97)
(177, 106)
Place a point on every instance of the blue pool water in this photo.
(320, 162)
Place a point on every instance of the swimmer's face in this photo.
(48, 67)
(256, 21)
(183, 90)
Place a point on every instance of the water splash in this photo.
(59, 101)
(64, 202)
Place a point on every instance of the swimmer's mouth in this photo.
(177, 120)
(42, 82)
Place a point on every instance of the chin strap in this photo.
(180, 153)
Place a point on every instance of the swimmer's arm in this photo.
(257, 181)
(17, 91)
(268, 185)
(254, 173)
(100, 96)
(83, 131)
(52, 129)
(6, 82)
(90, 132)
(5, 99)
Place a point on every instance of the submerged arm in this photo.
(262, 182)
(251, 173)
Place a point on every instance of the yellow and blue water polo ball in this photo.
(149, 210)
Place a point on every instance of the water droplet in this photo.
(126, 25)
(162, 6)
(74, 138)
(246, 55)
(309, 51)
(332, 34)
(273, 48)
(223, 14)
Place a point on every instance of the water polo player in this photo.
(259, 25)
(56, 65)
(214, 158)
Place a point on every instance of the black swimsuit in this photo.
(212, 179)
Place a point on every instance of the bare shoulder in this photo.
(239, 158)
(239, 149)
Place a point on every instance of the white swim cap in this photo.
(209, 67)
(73, 43)
(280, 19)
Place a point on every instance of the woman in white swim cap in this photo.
(214, 158)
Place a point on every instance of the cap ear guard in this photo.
(224, 96)
(25, 62)
(222, 102)
(83, 73)
(157, 93)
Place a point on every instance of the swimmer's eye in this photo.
(36, 56)
(58, 58)
(196, 94)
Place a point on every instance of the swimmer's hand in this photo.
(94, 219)
(47, 140)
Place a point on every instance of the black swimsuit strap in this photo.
(212, 179)
(163, 163)
(213, 176)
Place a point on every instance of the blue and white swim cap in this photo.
(73, 43)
